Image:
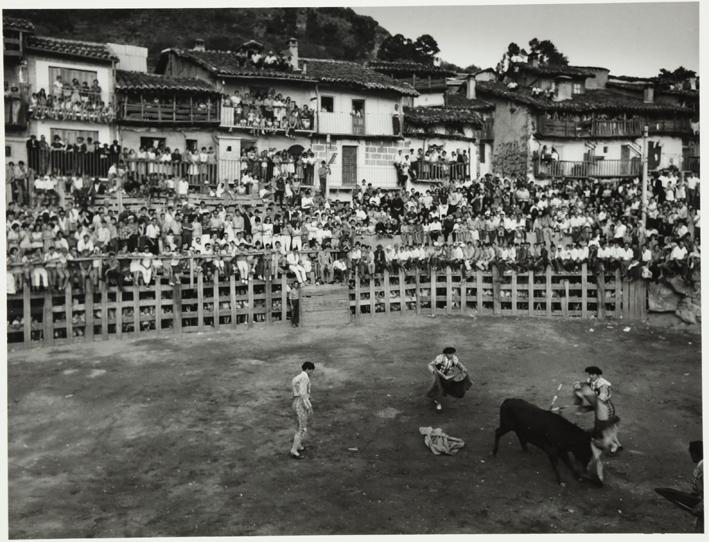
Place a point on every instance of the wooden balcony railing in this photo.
(609, 128)
(599, 168)
(669, 126)
(440, 171)
(371, 124)
(174, 112)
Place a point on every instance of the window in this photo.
(482, 153)
(155, 142)
(191, 145)
(68, 75)
(605, 150)
(327, 104)
(8, 151)
(69, 136)
(358, 107)
(577, 88)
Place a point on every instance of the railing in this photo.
(609, 128)
(229, 119)
(370, 124)
(673, 126)
(440, 171)
(201, 176)
(222, 302)
(69, 163)
(691, 163)
(599, 168)
(12, 45)
(172, 112)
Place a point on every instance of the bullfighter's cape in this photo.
(439, 442)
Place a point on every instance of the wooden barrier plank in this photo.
(642, 293)
(548, 291)
(104, 310)
(27, 314)
(250, 301)
(358, 301)
(387, 303)
(463, 291)
(514, 293)
(136, 308)
(417, 296)
(402, 292)
(69, 312)
(284, 298)
(565, 300)
(584, 291)
(177, 307)
(433, 295)
(372, 298)
(601, 295)
(215, 300)
(47, 319)
(269, 300)
(479, 291)
(89, 310)
(232, 299)
(449, 290)
(200, 302)
(618, 295)
(158, 304)
(119, 313)
(496, 306)
(530, 293)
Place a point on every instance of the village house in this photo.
(554, 121)
(349, 115)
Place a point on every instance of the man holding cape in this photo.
(450, 377)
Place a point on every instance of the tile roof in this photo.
(71, 48)
(601, 100)
(640, 84)
(15, 23)
(227, 64)
(353, 74)
(402, 66)
(139, 81)
(459, 100)
(551, 70)
(436, 115)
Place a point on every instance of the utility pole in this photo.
(644, 179)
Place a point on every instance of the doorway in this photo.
(349, 165)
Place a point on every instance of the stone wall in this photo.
(511, 154)
(511, 159)
(383, 153)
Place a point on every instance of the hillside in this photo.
(325, 32)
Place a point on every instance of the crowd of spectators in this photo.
(492, 222)
(255, 58)
(433, 164)
(267, 111)
(71, 101)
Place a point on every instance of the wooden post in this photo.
(530, 293)
(358, 309)
(284, 298)
(565, 301)
(627, 300)
(513, 294)
(269, 300)
(463, 291)
(119, 313)
(215, 304)
(136, 308)
(601, 295)
(584, 291)
(232, 299)
(177, 307)
(433, 285)
(104, 310)
(250, 301)
(402, 291)
(372, 298)
(89, 310)
(479, 290)
(417, 276)
(200, 301)
(174, 108)
(496, 305)
(69, 312)
(549, 291)
(27, 313)
(158, 304)
(449, 289)
(48, 319)
(618, 295)
(387, 306)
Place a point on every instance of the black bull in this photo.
(552, 433)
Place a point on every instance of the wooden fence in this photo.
(566, 295)
(49, 318)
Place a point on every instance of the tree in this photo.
(547, 53)
(396, 47)
(473, 68)
(677, 76)
(426, 47)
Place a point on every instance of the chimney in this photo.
(649, 94)
(198, 45)
(470, 87)
(293, 52)
(304, 71)
(693, 83)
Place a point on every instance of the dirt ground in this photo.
(189, 436)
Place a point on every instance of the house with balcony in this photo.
(431, 82)
(554, 121)
(15, 32)
(347, 114)
(463, 125)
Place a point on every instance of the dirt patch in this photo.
(189, 435)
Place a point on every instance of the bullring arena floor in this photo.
(189, 436)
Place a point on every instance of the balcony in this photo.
(16, 110)
(598, 168)
(691, 163)
(602, 128)
(168, 111)
(670, 126)
(86, 110)
(369, 124)
(229, 119)
(439, 171)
